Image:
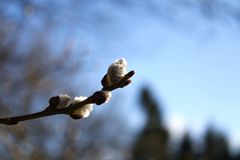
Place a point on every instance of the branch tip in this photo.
(62, 104)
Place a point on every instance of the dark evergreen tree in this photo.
(215, 146)
(186, 150)
(236, 156)
(152, 143)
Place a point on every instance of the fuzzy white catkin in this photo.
(83, 111)
(108, 95)
(116, 71)
(64, 101)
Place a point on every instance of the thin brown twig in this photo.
(50, 111)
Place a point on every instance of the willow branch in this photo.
(48, 111)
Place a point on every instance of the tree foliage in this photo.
(153, 142)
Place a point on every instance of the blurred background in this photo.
(183, 103)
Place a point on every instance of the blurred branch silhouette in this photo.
(30, 73)
(34, 61)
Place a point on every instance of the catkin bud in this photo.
(83, 111)
(101, 97)
(116, 71)
(60, 101)
(65, 101)
(54, 101)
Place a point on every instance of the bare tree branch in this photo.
(49, 111)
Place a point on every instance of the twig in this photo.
(48, 111)
(122, 83)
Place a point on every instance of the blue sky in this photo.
(191, 62)
(194, 70)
